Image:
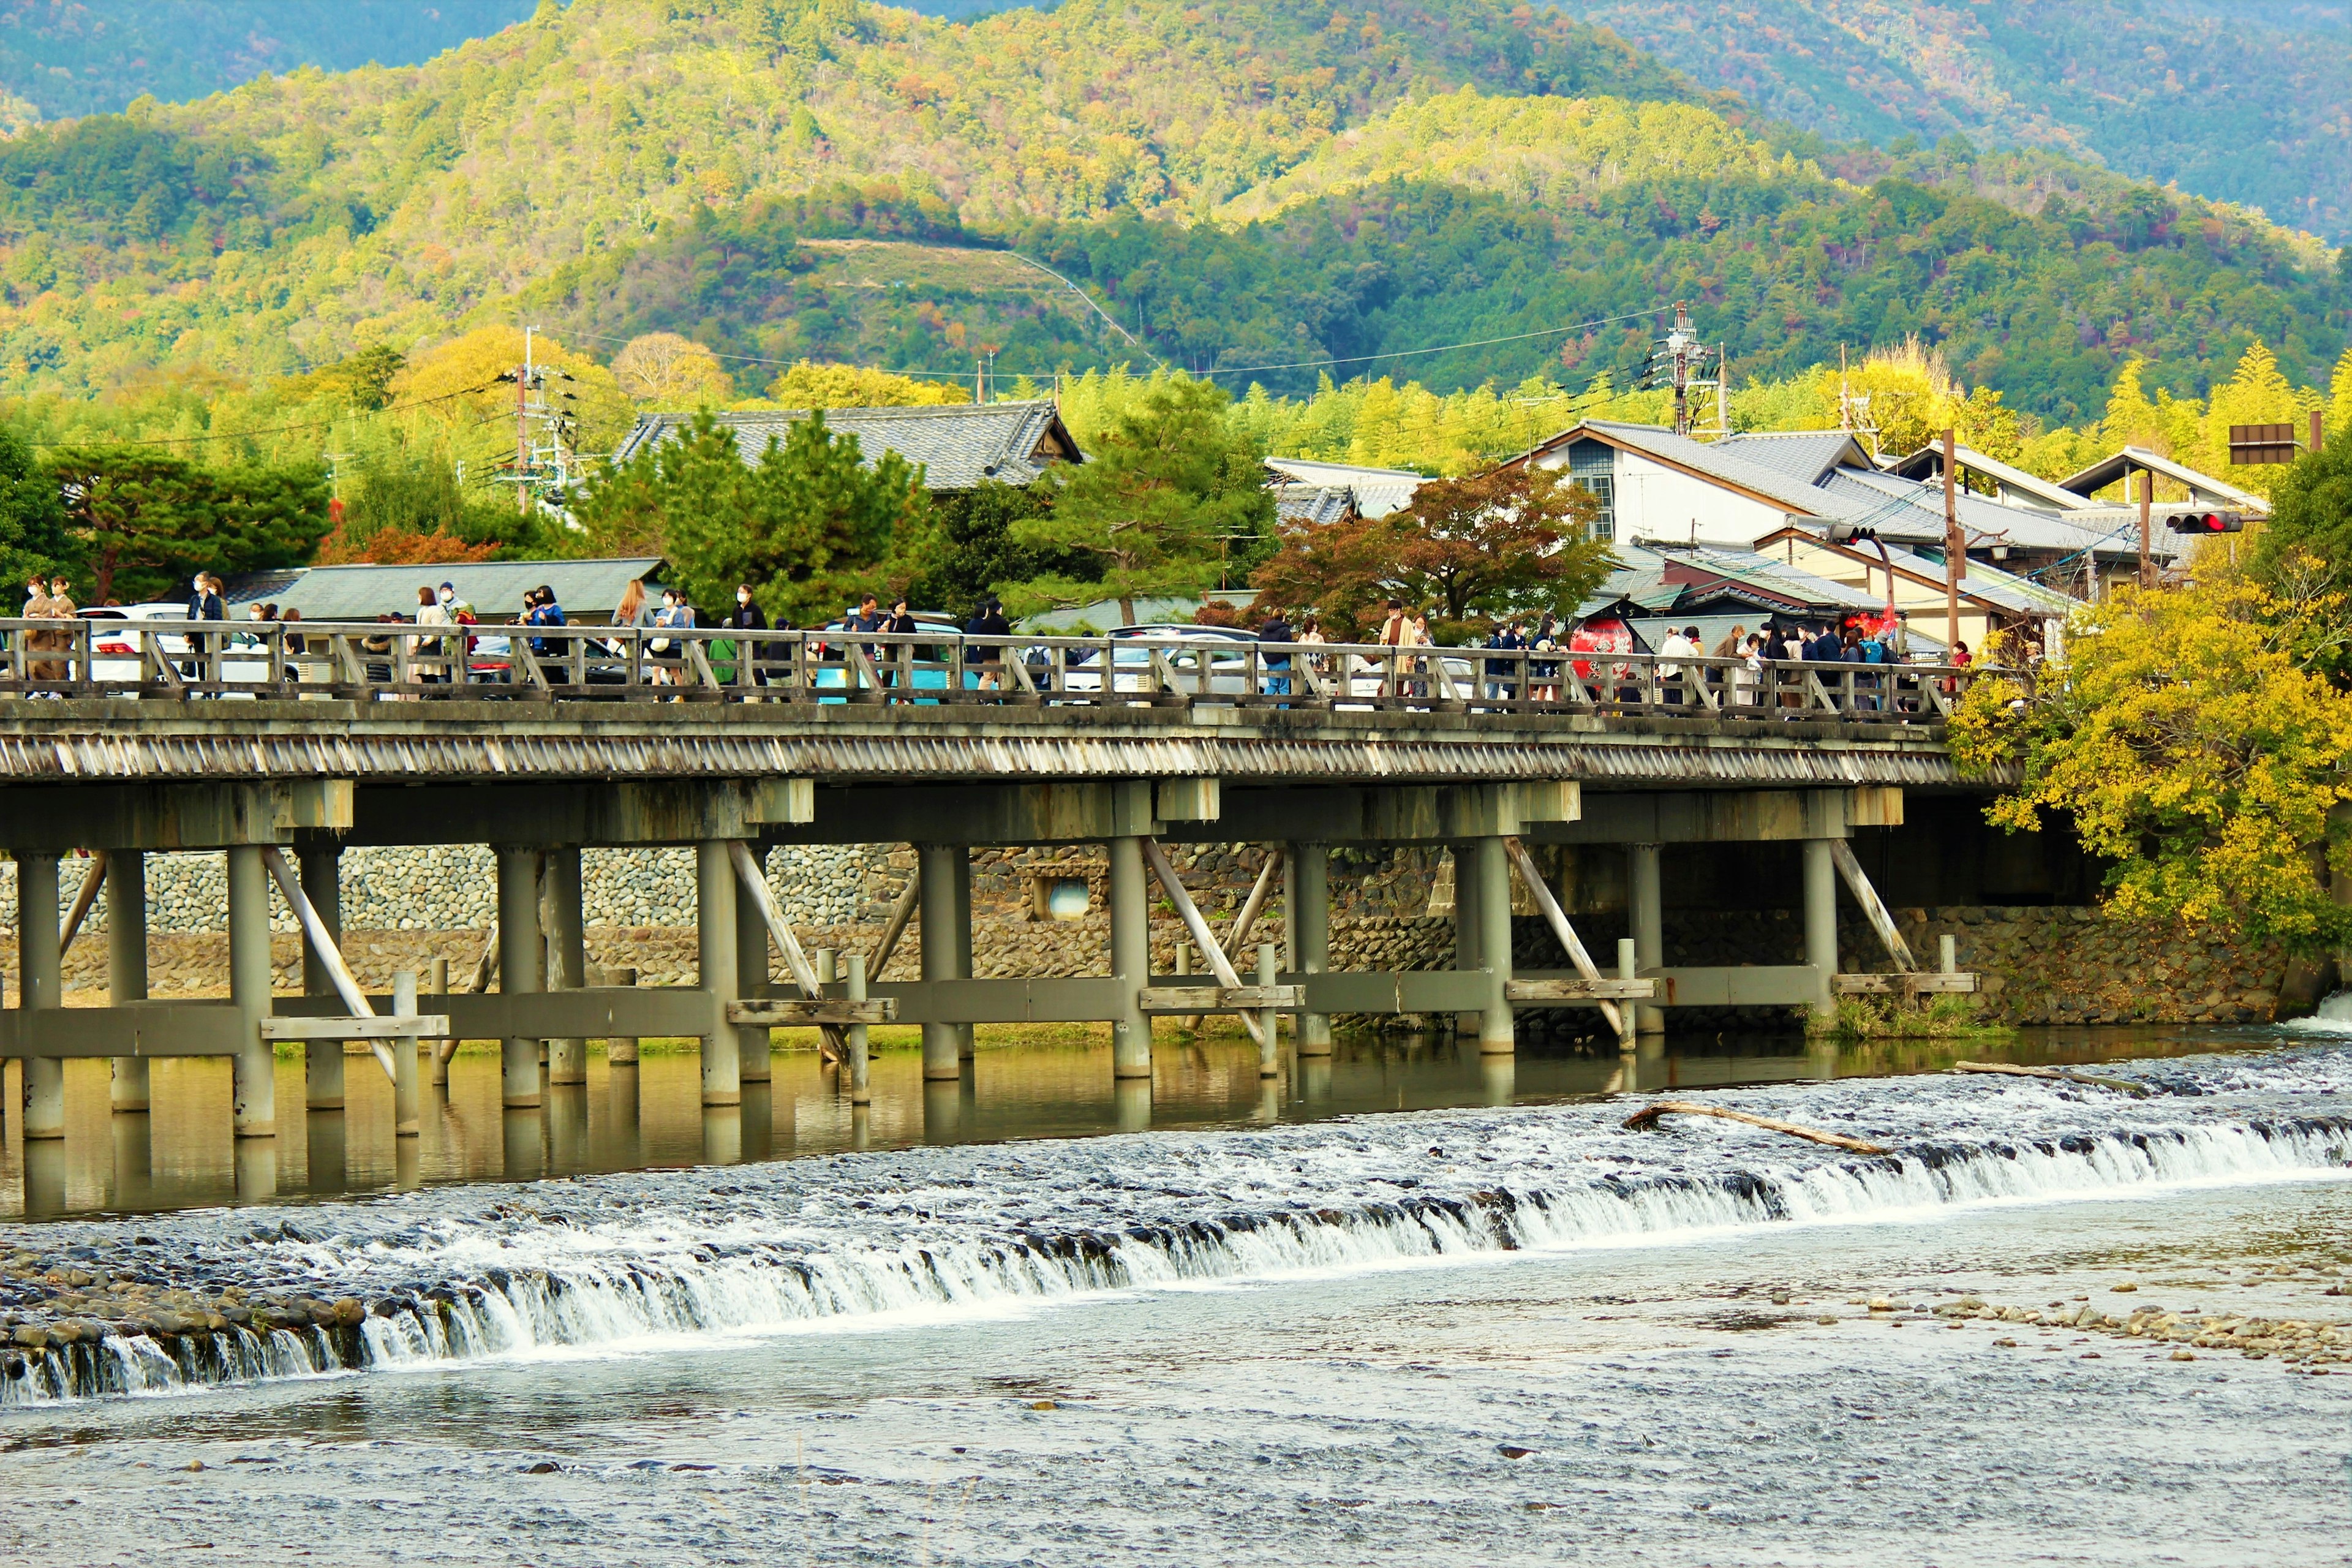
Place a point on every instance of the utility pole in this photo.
(2147, 500)
(1956, 550)
(522, 430)
(1678, 353)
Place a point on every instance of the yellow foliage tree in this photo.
(459, 380)
(1914, 399)
(672, 371)
(807, 385)
(2194, 738)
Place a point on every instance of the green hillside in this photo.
(2233, 100)
(60, 58)
(1265, 184)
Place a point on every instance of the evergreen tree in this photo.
(809, 526)
(32, 535)
(1166, 504)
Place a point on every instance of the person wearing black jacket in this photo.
(988, 621)
(1276, 635)
(747, 616)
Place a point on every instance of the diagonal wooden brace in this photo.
(746, 870)
(1538, 890)
(1211, 948)
(323, 943)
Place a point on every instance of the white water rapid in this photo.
(612, 1263)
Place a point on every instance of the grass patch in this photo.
(1945, 1017)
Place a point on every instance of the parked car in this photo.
(115, 649)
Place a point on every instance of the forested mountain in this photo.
(61, 58)
(2242, 100)
(1270, 185)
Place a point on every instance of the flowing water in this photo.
(1474, 1332)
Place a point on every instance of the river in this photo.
(1282, 1334)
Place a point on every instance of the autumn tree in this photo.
(1167, 500)
(1511, 542)
(2195, 740)
(809, 525)
(807, 385)
(672, 371)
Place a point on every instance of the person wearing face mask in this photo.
(747, 616)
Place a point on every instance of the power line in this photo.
(1440, 349)
(268, 430)
(1221, 370)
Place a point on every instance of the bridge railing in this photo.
(365, 661)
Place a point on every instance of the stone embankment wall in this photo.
(2043, 964)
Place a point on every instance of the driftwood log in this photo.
(2063, 1075)
(1648, 1117)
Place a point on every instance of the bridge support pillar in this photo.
(567, 956)
(40, 983)
(753, 1042)
(520, 956)
(1646, 901)
(945, 872)
(1130, 959)
(1468, 906)
(254, 1071)
(321, 870)
(715, 949)
(961, 909)
(1498, 1031)
(1820, 923)
(126, 963)
(1307, 898)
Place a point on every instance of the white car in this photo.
(116, 640)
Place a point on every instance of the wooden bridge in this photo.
(282, 745)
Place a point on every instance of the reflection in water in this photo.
(181, 1154)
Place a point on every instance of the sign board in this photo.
(2255, 443)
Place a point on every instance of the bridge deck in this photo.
(124, 740)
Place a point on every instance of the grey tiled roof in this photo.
(1803, 455)
(1313, 504)
(958, 446)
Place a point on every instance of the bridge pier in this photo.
(944, 871)
(520, 955)
(1307, 904)
(1469, 909)
(40, 985)
(1821, 924)
(754, 1042)
(1130, 960)
(715, 947)
(323, 1060)
(1498, 1032)
(254, 1069)
(126, 964)
(1646, 899)
(567, 957)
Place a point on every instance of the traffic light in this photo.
(2205, 522)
